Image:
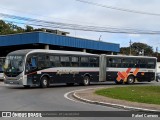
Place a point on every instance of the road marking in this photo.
(66, 95)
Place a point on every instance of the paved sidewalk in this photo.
(89, 96)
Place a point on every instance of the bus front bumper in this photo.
(13, 81)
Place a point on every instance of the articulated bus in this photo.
(2, 60)
(45, 67)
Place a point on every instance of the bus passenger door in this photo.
(31, 70)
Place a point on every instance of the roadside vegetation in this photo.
(142, 94)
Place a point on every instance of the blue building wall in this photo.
(53, 39)
(18, 39)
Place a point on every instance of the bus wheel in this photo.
(44, 82)
(130, 79)
(86, 80)
(119, 82)
(26, 86)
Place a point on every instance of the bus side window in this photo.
(65, 62)
(55, 61)
(137, 63)
(93, 62)
(31, 63)
(151, 63)
(116, 62)
(143, 63)
(47, 61)
(84, 61)
(125, 62)
(74, 61)
(131, 63)
(41, 61)
(109, 62)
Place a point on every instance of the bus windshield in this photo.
(14, 63)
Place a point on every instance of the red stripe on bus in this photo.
(32, 73)
(128, 70)
(120, 74)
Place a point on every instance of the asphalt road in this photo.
(49, 99)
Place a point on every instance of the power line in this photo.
(64, 24)
(49, 24)
(119, 9)
(40, 15)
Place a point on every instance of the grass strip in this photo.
(141, 94)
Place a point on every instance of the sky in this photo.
(75, 12)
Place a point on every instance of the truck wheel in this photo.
(44, 82)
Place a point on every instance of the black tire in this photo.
(44, 83)
(86, 81)
(26, 86)
(69, 84)
(119, 82)
(130, 79)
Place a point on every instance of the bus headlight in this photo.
(4, 77)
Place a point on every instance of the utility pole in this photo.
(130, 43)
(100, 37)
(157, 51)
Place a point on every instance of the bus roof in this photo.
(28, 51)
(128, 56)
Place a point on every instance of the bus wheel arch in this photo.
(44, 81)
(130, 79)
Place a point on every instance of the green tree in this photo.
(138, 49)
(29, 28)
(9, 28)
(4, 28)
(125, 50)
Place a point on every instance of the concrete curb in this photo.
(112, 105)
